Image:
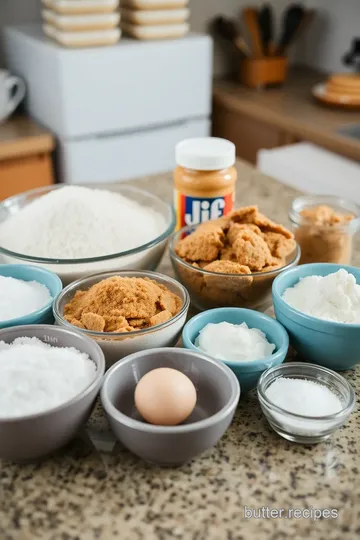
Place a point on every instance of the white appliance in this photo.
(117, 111)
(311, 169)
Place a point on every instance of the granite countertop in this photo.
(94, 489)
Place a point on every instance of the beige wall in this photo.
(324, 45)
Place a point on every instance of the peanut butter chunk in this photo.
(252, 251)
(280, 246)
(227, 267)
(237, 228)
(201, 245)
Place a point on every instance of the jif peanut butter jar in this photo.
(204, 180)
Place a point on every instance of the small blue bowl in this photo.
(33, 273)
(247, 373)
(330, 344)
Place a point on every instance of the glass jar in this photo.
(204, 180)
(328, 236)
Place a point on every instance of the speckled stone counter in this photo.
(96, 489)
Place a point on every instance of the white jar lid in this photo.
(205, 154)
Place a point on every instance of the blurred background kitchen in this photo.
(103, 94)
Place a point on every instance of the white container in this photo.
(124, 156)
(82, 6)
(151, 17)
(160, 31)
(74, 23)
(93, 38)
(127, 87)
(312, 169)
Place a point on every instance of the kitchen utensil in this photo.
(12, 92)
(296, 427)
(218, 393)
(306, 20)
(292, 19)
(146, 256)
(27, 272)
(227, 29)
(116, 345)
(251, 22)
(247, 373)
(266, 28)
(330, 344)
(31, 437)
(214, 289)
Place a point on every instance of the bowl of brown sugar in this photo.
(124, 311)
(324, 227)
(232, 261)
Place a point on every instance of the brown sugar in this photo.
(122, 304)
(322, 235)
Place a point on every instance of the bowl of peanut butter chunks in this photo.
(232, 261)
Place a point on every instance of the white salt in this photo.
(335, 297)
(306, 398)
(19, 298)
(77, 222)
(36, 377)
(234, 342)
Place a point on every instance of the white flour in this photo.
(335, 297)
(18, 297)
(78, 222)
(36, 377)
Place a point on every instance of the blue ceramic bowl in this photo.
(247, 373)
(33, 273)
(330, 344)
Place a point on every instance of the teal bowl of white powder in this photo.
(319, 305)
(27, 294)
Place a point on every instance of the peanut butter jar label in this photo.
(195, 210)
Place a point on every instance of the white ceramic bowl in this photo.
(116, 345)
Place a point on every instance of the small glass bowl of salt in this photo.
(303, 402)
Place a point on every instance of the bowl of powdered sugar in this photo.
(75, 231)
(27, 294)
(319, 305)
(49, 380)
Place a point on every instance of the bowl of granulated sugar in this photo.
(27, 294)
(49, 380)
(76, 231)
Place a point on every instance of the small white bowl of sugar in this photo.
(305, 403)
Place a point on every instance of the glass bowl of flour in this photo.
(76, 231)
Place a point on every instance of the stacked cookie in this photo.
(344, 88)
(155, 19)
(82, 23)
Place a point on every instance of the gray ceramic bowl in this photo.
(31, 437)
(218, 393)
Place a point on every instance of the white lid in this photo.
(205, 154)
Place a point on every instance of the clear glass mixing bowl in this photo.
(144, 257)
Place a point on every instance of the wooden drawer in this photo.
(21, 174)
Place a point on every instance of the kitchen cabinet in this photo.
(25, 156)
(265, 119)
(248, 134)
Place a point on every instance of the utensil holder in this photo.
(258, 72)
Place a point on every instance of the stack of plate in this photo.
(155, 19)
(341, 89)
(82, 23)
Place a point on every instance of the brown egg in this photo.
(165, 397)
